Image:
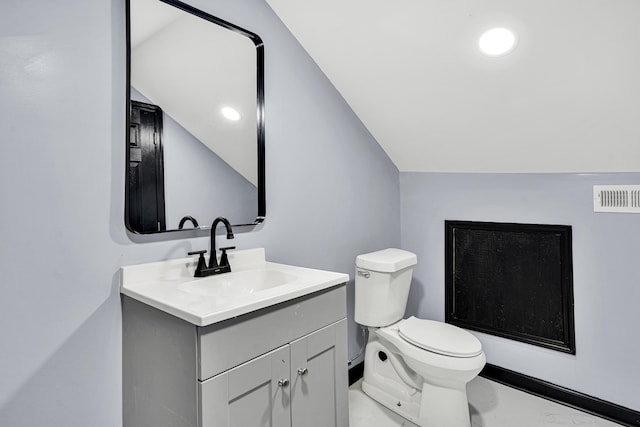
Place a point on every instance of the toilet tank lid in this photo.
(387, 260)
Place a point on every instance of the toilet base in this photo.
(405, 409)
(390, 382)
(438, 406)
(444, 407)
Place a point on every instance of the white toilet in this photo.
(417, 368)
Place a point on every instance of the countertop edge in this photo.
(206, 320)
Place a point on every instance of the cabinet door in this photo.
(319, 378)
(254, 394)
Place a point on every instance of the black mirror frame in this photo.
(257, 41)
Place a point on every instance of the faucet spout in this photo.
(188, 218)
(213, 258)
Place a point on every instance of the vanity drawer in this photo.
(226, 344)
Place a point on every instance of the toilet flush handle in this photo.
(364, 273)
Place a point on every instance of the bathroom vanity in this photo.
(264, 345)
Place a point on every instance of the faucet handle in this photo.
(224, 261)
(204, 251)
(202, 265)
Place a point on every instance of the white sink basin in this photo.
(239, 283)
(253, 284)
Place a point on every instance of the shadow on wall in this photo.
(77, 368)
(416, 295)
(356, 340)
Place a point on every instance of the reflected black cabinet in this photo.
(145, 194)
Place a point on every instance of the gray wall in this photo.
(331, 194)
(606, 249)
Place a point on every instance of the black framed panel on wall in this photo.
(511, 280)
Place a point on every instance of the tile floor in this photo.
(491, 405)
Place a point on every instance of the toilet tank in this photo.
(383, 279)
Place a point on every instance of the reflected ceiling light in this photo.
(497, 42)
(230, 113)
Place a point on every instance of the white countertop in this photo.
(170, 286)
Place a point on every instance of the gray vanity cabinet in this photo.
(295, 385)
(318, 395)
(249, 395)
(283, 366)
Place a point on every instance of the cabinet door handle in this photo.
(303, 371)
(283, 382)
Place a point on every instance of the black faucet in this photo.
(188, 218)
(213, 262)
(202, 270)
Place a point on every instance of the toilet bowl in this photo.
(418, 368)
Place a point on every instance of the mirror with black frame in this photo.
(195, 146)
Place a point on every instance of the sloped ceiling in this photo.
(193, 68)
(567, 99)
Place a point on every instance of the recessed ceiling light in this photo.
(497, 42)
(231, 113)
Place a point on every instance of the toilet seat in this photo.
(391, 335)
(439, 337)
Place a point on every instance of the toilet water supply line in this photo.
(364, 331)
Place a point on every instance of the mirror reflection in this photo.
(196, 133)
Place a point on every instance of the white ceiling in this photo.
(192, 68)
(566, 100)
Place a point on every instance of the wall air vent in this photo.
(616, 198)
